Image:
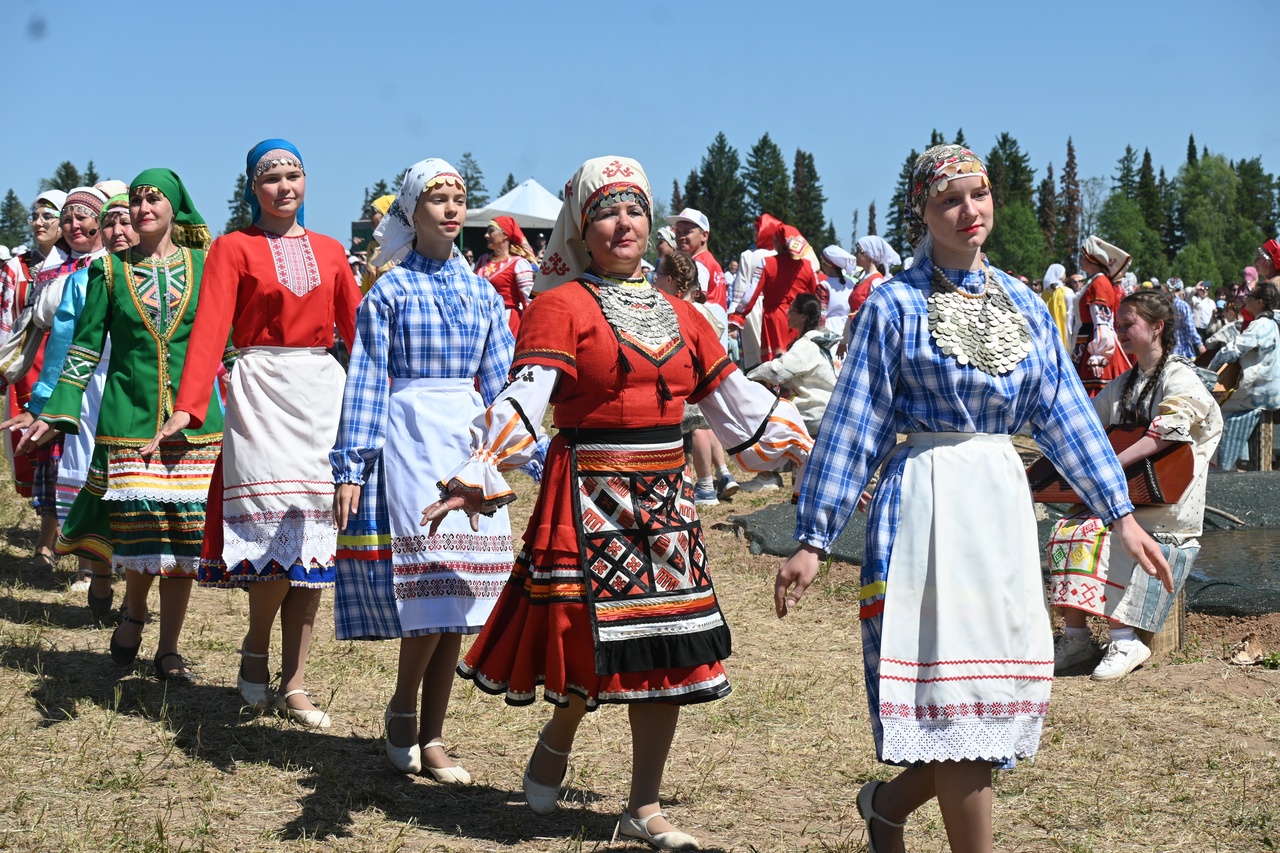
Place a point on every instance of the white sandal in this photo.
(406, 759)
(253, 693)
(542, 799)
(638, 827)
(867, 809)
(455, 775)
(311, 718)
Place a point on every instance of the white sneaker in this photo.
(767, 481)
(1122, 658)
(1069, 651)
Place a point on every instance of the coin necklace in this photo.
(983, 329)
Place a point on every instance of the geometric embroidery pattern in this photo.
(151, 279)
(295, 263)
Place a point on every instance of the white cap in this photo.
(697, 217)
(4, 253)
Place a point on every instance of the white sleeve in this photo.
(505, 436)
(759, 430)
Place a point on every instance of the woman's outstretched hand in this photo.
(177, 422)
(794, 577)
(468, 501)
(1144, 550)
(39, 434)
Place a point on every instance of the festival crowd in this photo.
(177, 412)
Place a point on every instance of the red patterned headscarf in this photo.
(519, 243)
(934, 170)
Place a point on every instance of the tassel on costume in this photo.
(664, 393)
(624, 366)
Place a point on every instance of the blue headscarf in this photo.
(251, 165)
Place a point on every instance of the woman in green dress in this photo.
(150, 511)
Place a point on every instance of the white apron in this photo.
(966, 657)
(449, 581)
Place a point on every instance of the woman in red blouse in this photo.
(279, 290)
(508, 266)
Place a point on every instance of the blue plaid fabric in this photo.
(1187, 341)
(895, 380)
(424, 319)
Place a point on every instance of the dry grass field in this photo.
(1183, 755)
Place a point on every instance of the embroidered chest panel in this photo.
(296, 266)
(161, 288)
(642, 318)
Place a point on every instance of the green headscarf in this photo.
(117, 201)
(189, 229)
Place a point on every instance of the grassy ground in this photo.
(1180, 756)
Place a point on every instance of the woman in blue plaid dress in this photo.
(956, 640)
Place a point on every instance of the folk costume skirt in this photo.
(271, 503)
(1087, 573)
(144, 515)
(611, 598)
(77, 450)
(394, 578)
(960, 660)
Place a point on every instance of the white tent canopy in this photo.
(529, 204)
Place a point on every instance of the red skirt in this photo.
(553, 622)
(775, 335)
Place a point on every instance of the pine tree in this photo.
(469, 171)
(1147, 194)
(1256, 199)
(768, 184)
(677, 198)
(960, 140)
(1016, 242)
(90, 176)
(871, 218)
(1068, 241)
(1216, 236)
(1121, 221)
(1010, 172)
(1170, 231)
(13, 220)
(1126, 176)
(691, 190)
(377, 190)
(897, 220)
(66, 178)
(1192, 156)
(807, 198)
(722, 196)
(830, 238)
(936, 138)
(508, 185)
(241, 214)
(1047, 212)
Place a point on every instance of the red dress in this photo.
(578, 564)
(862, 290)
(264, 290)
(512, 278)
(782, 279)
(1099, 291)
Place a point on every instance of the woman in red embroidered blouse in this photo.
(279, 290)
(781, 279)
(508, 266)
(1098, 357)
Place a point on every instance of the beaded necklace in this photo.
(983, 329)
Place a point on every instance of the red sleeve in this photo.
(209, 334)
(549, 331)
(346, 298)
(1101, 292)
(708, 353)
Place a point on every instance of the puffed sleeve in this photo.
(362, 428)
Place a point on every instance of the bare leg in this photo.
(653, 727)
(717, 451)
(1074, 618)
(265, 598)
(137, 586)
(297, 622)
(702, 453)
(175, 593)
(896, 800)
(964, 797)
(415, 657)
(436, 689)
(547, 767)
(99, 574)
(48, 536)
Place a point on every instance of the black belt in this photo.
(648, 435)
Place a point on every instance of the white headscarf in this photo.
(566, 256)
(840, 258)
(879, 251)
(1055, 276)
(1112, 259)
(50, 198)
(395, 232)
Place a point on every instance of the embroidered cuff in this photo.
(479, 476)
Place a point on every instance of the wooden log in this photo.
(1266, 440)
(1169, 638)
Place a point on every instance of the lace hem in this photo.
(165, 565)
(158, 495)
(286, 536)
(989, 739)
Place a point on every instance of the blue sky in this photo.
(365, 89)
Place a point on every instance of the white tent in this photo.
(529, 204)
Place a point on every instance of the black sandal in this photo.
(100, 608)
(44, 561)
(181, 672)
(124, 655)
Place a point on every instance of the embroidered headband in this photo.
(276, 157)
(611, 194)
(85, 200)
(933, 173)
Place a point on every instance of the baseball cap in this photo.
(697, 217)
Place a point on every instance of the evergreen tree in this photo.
(1126, 177)
(1147, 194)
(722, 196)
(1192, 156)
(1121, 221)
(830, 238)
(936, 138)
(677, 198)
(1015, 181)
(508, 185)
(1256, 199)
(1093, 194)
(241, 214)
(691, 191)
(66, 178)
(768, 184)
(1068, 241)
(1170, 231)
(1016, 242)
(1047, 212)
(897, 220)
(376, 191)
(808, 215)
(854, 241)
(871, 218)
(960, 140)
(90, 176)
(1217, 238)
(469, 171)
(13, 221)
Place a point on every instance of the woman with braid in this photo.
(1162, 392)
